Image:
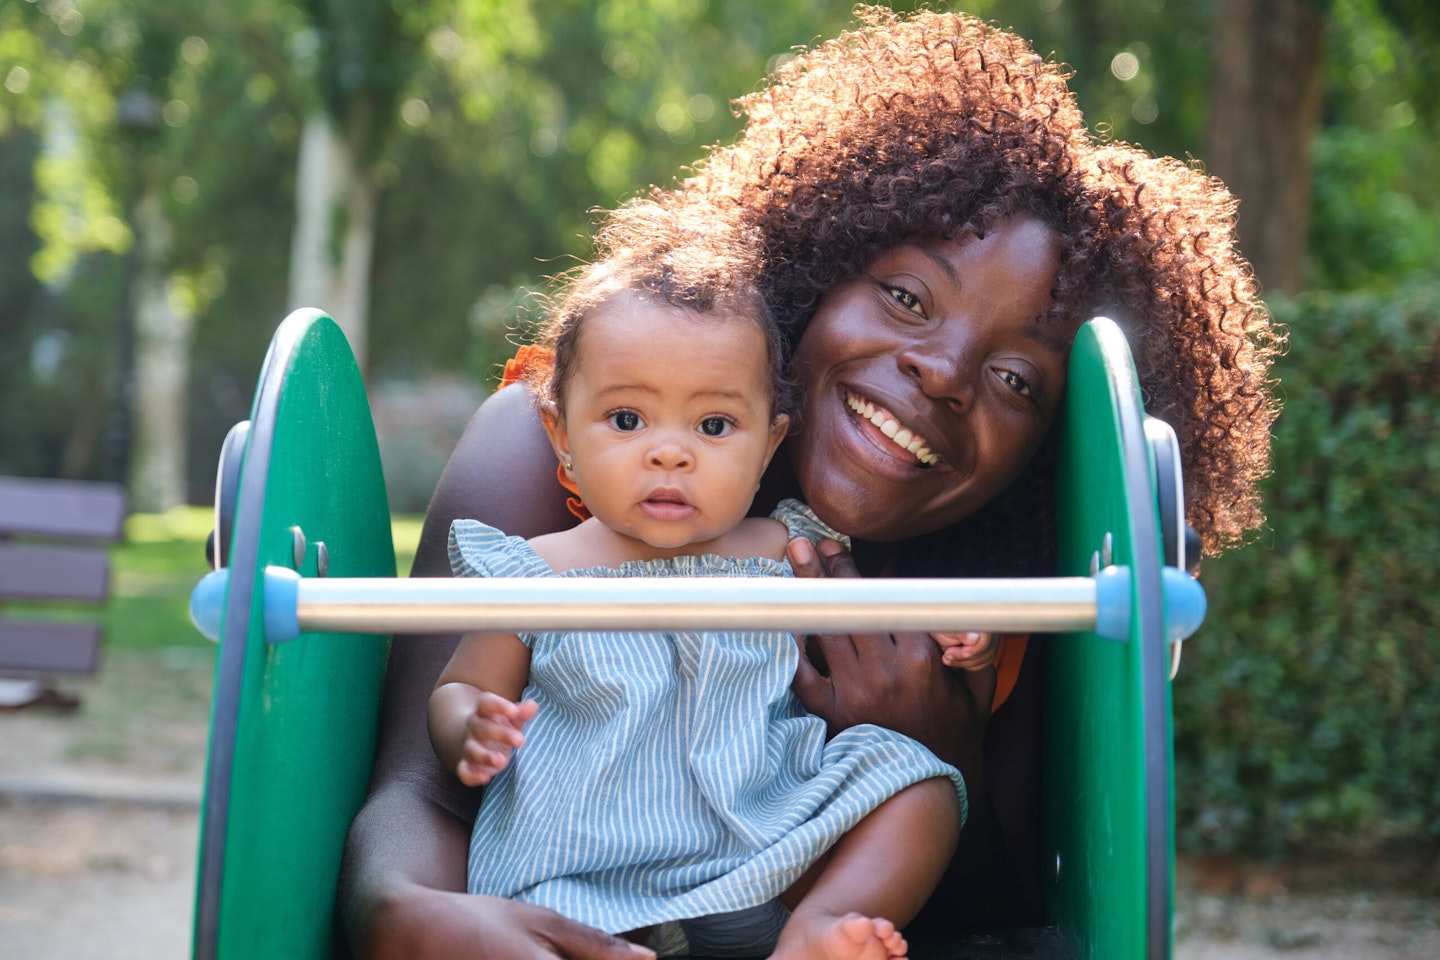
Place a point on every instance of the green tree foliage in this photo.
(1376, 207)
(1305, 710)
(1139, 66)
(526, 117)
(199, 60)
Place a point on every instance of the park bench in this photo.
(53, 537)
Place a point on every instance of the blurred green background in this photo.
(176, 174)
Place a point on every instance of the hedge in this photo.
(1307, 709)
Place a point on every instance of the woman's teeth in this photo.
(911, 443)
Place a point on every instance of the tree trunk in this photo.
(162, 369)
(336, 204)
(1264, 111)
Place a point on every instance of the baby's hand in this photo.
(968, 651)
(492, 734)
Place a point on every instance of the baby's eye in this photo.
(906, 299)
(1017, 383)
(716, 426)
(626, 420)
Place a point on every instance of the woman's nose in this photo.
(940, 364)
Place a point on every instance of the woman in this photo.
(937, 222)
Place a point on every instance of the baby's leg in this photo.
(877, 877)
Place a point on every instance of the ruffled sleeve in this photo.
(801, 521)
(479, 550)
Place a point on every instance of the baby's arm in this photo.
(476, 719)
(968, 651)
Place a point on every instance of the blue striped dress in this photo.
(670, 775)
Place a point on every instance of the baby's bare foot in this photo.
(816, 936)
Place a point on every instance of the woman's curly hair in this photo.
(919, 126)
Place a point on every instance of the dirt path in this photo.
(98, 829)
(86, 879)
(1331, 911)
(80, 879)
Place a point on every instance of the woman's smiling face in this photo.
(929, 381)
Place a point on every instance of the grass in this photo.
(160, 561)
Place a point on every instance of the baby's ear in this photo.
(779, 426)
(549, 414)
(555, 430)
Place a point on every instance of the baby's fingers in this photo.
(477, 773)
(488, 729)
(493, 705)
(970, 650)
(525, 712)
(481, 760)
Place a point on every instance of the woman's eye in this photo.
(716, 426)
(1017, 383)
(906, 299)
(625, 420)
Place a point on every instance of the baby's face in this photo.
(667, 421)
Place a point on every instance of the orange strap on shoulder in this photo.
(1007, 666)
(532, 362)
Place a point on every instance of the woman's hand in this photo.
(895, 680)
(396, 908)
(418, 923)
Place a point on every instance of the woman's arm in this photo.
(403, 879)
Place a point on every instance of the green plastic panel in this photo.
(1107, 787)
(292, 732)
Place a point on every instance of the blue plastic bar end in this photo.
(1112, 603)
(281, 604)
(1185, 603)
(207, 602)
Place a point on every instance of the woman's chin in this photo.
(860, 517)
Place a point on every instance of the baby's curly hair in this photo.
(667, 257)
(920, 126)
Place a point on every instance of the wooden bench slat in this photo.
(32, 647)
(44, 572)
(68, 510)
(61, 508)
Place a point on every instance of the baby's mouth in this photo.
(908, 441)
(667, 504)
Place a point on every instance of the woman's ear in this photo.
(555, 430)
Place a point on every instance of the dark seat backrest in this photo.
(52, 547)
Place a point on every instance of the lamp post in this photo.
(137, 120)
